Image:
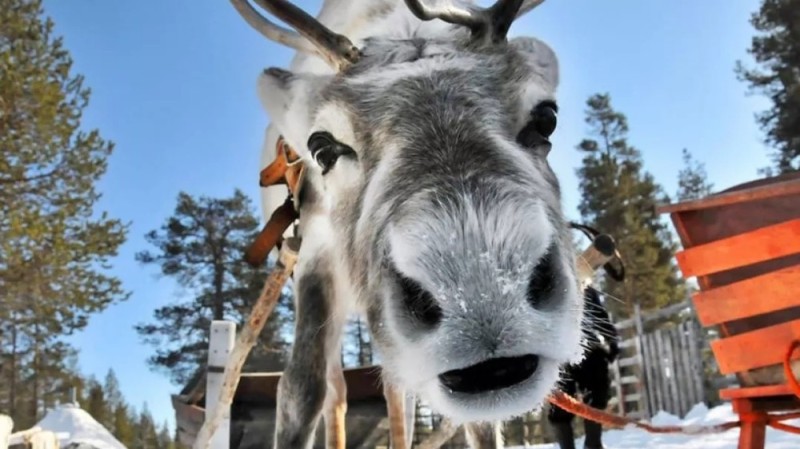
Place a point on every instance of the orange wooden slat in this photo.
(789, 187)
(755, 392)
(756, 349)
(769, 242)
(769, 292)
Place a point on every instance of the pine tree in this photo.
(618, 197)
(113, 397)
(202, 247)
(123, 428)
(54, 245)
(356, 344)
(145, 436)
(96, 402)
(777, 50)
(692, 179)
(165, 440)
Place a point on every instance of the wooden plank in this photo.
(680, 370)
(755, 392)
(620, 395)
(220, 345)
(769, 242)
(659, 367)
(640, 371)
(686, 362)
(625, 380)
(756, 349)
(672, 404)
(677, 381)
(624, 324)
(696, 363)
(189, 412)
(695, 340)
(629, 343)
(761, 294)
(665, 312)
(650, 383)
(627, 361)
(656, 373)
(784, 188)
(687, 372)
(636, 397)
(663, 359)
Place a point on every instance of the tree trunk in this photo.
(219, 277)
(12, 393)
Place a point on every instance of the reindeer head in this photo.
(428, 152)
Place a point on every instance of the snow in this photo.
(699, 415)
(73, 425)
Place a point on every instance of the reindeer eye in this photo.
(325, 150)
(545, 118)
(536, 132)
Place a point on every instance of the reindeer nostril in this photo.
(492, 374)
(419, 302)
(542, 281)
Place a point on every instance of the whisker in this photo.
(609, 295)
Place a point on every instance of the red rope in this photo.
(572, 405)
(787, 368)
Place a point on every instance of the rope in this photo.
(787, 368)
(572, 405)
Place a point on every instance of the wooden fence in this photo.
(664, 364)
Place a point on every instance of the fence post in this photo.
(644, 399)
(44, 440)
(6, 424)
(411, 415)
(220, 345)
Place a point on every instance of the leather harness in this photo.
(287, 169)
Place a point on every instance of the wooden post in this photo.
(411, 410)
(220, 345)
(6, 424)
(247, 339)
(644, 401)
(440, 436)
(44, 440)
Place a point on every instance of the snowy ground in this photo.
(699, 415)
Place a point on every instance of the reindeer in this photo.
(428, 205)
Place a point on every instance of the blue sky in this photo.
(173, 86)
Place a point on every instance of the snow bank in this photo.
(73, 425)
(699, 415)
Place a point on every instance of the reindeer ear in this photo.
(541, 58)
(289, 100)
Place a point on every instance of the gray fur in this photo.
(439, 192)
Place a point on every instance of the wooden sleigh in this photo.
(743, 246)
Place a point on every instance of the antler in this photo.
(311, 36)
(485, 23)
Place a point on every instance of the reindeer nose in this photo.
(492, 374)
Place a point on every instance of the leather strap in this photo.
(287, 169)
